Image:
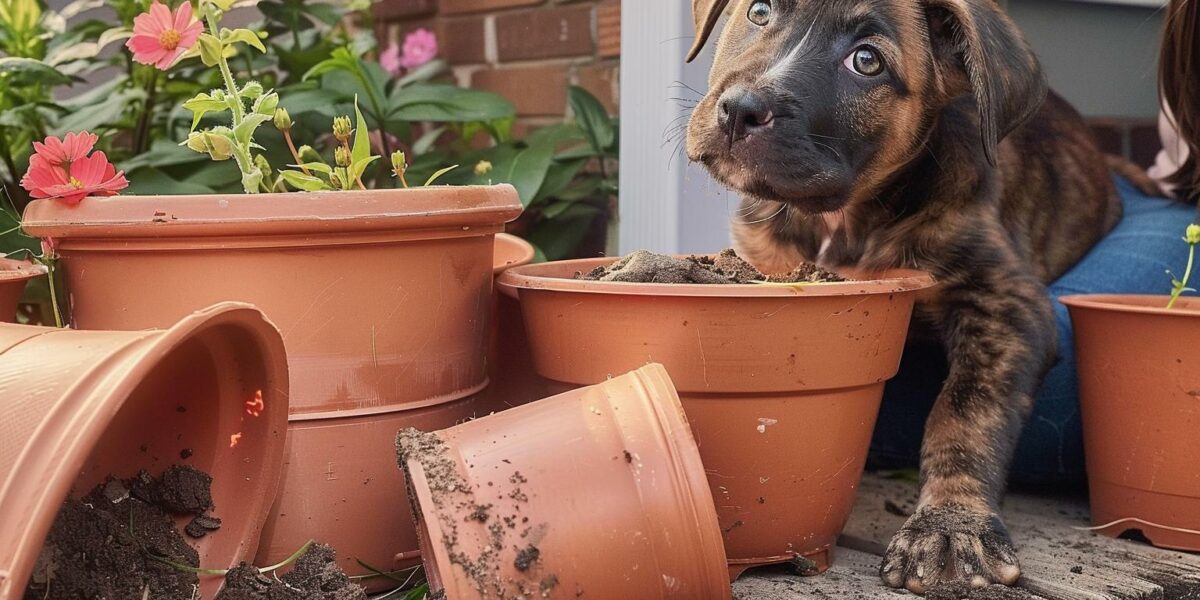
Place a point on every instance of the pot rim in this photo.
(212, 215)
(525, 257)
(19, 270)
(539, 277)
(1126, 303)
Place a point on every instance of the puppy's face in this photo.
(818, 103)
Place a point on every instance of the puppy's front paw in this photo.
(950, 543)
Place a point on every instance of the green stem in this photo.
(289, 560)
(1187, 274)
(51, 270)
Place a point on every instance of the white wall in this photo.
(667, 205)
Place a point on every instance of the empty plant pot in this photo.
(382, 296)
(513, 381)
(14, 275)
(781, 384)
(596, 493)
(1140, 403)
(333, 469)
(78, 406)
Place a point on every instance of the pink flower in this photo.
(160, 38)
(420, 47)
(390, 60)
(67, 150)
(63, 170)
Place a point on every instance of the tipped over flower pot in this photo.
(781, 384)
(1139, 380)
(596, 493)
(14, 275)
(79, 406)
(382, 297)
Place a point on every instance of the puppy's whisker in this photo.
(782, 209)
(677, 84)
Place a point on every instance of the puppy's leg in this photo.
(999, 330)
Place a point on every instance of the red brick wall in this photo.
(526, 50)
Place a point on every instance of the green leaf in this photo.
(163, 153)
(151, 181)
(438, 175)
(224, 5)
(315, 166)
(422, 73)
(447, 103)
(528, 170)
(361, 150)
(302, 182)
(245, 36)
(18, 71)
(340, 58)
(358, 167)
(592, 118)
(427, 140)
(201, 104)
(211, 49)
(245, 130)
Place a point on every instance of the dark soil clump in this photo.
(964, 591)
(113, 542)
(316, 576)
(726, 268)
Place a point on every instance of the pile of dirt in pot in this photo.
(120, 539)
(726, 268)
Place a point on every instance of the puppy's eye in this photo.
(760, 13)
(865, 61)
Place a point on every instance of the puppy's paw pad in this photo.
(950, 544)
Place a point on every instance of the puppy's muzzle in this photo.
(742, 112)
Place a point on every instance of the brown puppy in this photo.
(915, 133)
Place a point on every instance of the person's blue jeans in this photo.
(1133, 258)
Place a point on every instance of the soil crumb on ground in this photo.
(726, 268)
(103, 545)
(964, 591)
(316, 576)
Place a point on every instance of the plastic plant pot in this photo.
(595, 493)
(79, 406)
(14, 275)
(781, 384)
(513, 379)
(382, 297)
(1140, 403)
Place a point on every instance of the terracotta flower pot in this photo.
(332, 465)
(382, 297)
(1139, 379)
(78, 406)
(14, 275)
(781, 384)
(513, 380)
(596, 493)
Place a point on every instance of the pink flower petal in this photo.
(143, 44)
(183, 16)
(144, 24)
(188, 37)
(163, 19)
(151, 58)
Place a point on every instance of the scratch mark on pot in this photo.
(316, 300)
(329, 476)
(703, 360)
(374, 350)
(764, 423)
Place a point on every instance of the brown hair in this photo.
(1179, 88)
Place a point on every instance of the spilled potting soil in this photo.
(507, 534)
(116, 541)
(726, 268)
(316, 576)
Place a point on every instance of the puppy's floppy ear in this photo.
(706, 14)
(974, 38)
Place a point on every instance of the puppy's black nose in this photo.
(741, 112)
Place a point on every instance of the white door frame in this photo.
(666, 205)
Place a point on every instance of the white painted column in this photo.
(666, 205)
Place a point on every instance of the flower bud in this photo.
(217, 146)
(335, 180)
(283, 121)
(252, 90)
(399, 162)
(1193, 235)
(342, 129)
(266, 104)
(483, 167)
(308, 155)
(341, 156)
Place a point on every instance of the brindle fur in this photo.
(959, 164)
